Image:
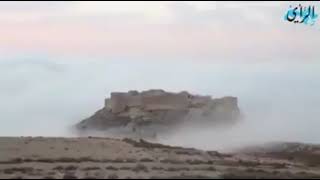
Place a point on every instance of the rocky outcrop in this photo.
(157, 111)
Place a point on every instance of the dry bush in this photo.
(91, 168)
(125, 168)
(66, 160)
(130, 160)
(184, 176)
(23, 170)
(44, 160)
(146, 160)
(145, 144)
(70, 176)
(195, 162)
(8, 171)
(65, 168)
(58, 168)
(139, 168)
(13, 161)
(118, 160)
(249, 163)
(279, 165)
(71, 168)
(51, 173)
(178, 169)
(112, 168)
(17, 177)
(157, 168)
(48, 177)
(113, 176)
(171, 161)
(205, 169)
(189, 153)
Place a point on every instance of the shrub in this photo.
(125, 168)
(113, 176)
(23, 170)
(48, 177)
(146, 160)
(194, 162)
(71, 168)
(91, 168)
(140, 167)
(111, 168)
(69, 176)
(59, 168)
(157, 168)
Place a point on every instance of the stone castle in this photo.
(158, 107)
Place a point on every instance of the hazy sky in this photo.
(59, 60)
(236, 31)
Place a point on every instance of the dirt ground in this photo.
(77, 158)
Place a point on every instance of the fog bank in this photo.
(280, 101)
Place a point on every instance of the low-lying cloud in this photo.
(44, 97)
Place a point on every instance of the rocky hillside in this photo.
(105, 158)
(151, 112)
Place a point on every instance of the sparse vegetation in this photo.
(185, 176)
(12, 161)
(8, 171)
(248, 163)
(131, 160)
(145, 144)
(195, 162)
(17, 177)
(13, 170)
(210, 168)
(156, 163)
(65, 159)
(189, 153)
(125, 168)
(71, 168)
(214, 153)
(178, 169)
(70, 176)
(309, 158)
(171, 161)
(279, 165)
(118, 160)
(146, 160)
(44, 160)
(59, 168)
(49, 177)
(113, 176)
(250, 170)
(112, 168)
(157, 168)
(90, 177)
(91, 168)
(51, 173)
(140, 167)
(275, 172)
(66, 168)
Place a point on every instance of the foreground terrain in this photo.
(51, 158)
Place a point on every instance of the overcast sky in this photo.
(237, 31)
(59, 60)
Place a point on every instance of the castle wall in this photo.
(160, 100)
(152, 100)
(165, 101)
